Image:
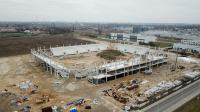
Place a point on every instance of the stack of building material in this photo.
(164, 85)
(161, 87)
(187, 60)
(192, 75)
(177, 82)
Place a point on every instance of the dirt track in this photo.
(22, 45)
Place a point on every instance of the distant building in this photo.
(7, 29)
(132, 37)
(146, 38)
(188, 46)
(123, 37)
(139, 29)
(112, 36)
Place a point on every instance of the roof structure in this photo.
(132, 49)
(78, 49)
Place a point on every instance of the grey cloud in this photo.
(153, 11)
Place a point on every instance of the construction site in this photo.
(78, 78)
(66, 61)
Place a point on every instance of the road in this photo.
(175, 100)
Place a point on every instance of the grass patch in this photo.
(15, 34)
(162, 44)
(156, 44)
(110, 54)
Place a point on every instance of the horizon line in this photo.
(150, 23)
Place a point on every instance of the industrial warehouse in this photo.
(131, 37)
(188, 46)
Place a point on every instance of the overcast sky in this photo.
(131, 11)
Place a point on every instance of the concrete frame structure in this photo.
(114, 70)
(47, 63)
(105, 72)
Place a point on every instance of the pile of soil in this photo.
(110, 54)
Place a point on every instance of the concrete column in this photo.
(106, 69)
(132, 68)
(124, 70)
(55, 72)
(47, 67)
(139, 68)
(161, 62)
(157, 64)
(115, 70)
(43, 65)
(51, 69)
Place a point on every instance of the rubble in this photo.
(26, 109)
(43, 99)
(24, 86)
(124, 91)
(76, 102)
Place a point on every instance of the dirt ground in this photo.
(15, 69)
(22, 45)
(86, 60)
(80, 60)
(20, 68)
